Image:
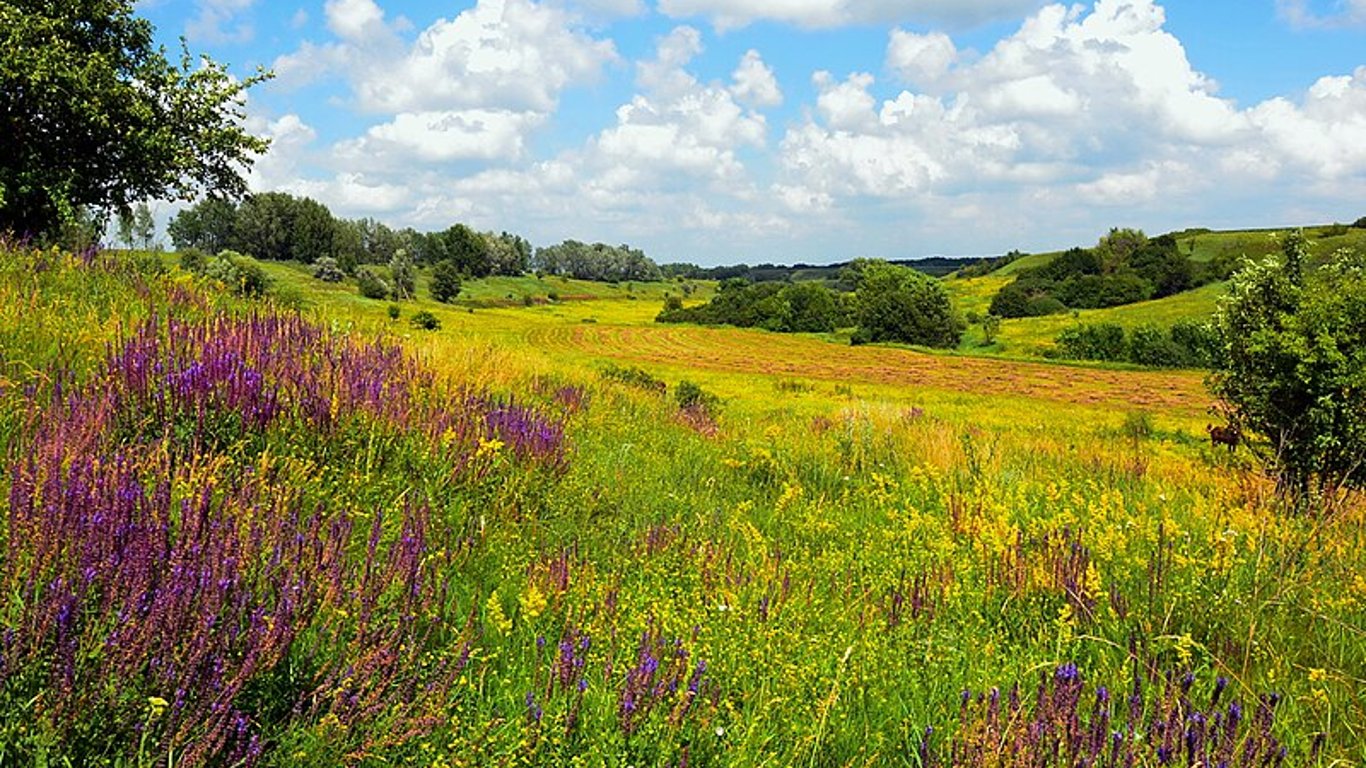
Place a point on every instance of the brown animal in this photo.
(1228, 436)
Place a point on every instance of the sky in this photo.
(726, 131)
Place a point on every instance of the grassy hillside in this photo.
(235, 534)
(1031, 337)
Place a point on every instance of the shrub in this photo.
(425, 321)
(1198, 342)
(690, 395)
(1290, 372)
(240, 273)
(370, 285)
(1100, 341)
(672, 304)
(326, 270)
(1360, 223)
(631, 376)
(897, 303)
(1044, 305)
(394, 311)
(1151, 346)
(445, 281)
(193, 260)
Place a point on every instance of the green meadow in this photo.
(507, 543)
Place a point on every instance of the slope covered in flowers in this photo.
(236, 534)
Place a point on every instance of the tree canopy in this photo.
(1292, 369)
(96, 116)
(895, 303)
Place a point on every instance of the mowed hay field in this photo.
(469, 546)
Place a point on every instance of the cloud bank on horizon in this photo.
(718, 131)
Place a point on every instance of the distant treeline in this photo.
(277, 226)
(888, 302)
(935, 266)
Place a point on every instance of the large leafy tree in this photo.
(895, 303)
(95, 116)
(1292, 373)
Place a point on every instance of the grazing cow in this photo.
(1228, 436)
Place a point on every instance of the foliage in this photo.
(1293, 366)
(600, 262)
(689, 395)
(634, 377)
(95, 116)
(209, 225)
(403, 275)
(445, 284)
(425, 320)
(241, 273)
(898, 304)
(1125, 267)
(786, 308)
(371, 285)
(1186, 344)
(1095, 341)
(326, 270)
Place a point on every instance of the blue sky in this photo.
(718, 131)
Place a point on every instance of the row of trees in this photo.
(783, 307)
(888, 302)
(278, 226)
(1123, 268)
(598, 261)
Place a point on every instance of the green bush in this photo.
(425, 320)
(326, 270)
(1099, 341)
(1292, 370)
(370, 285)
(895, 303)
(394, 311)
(240, 273)
(193, 260)
(690, 395)
(1151, 346)
(445, 281)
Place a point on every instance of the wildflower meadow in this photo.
(291, 531)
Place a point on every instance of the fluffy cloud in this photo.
(506, 54)
(729, 14)
(1080, 109)
(920, 59)
(755, 84)
(443, 136)
(1069, 90)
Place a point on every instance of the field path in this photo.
(745, 351)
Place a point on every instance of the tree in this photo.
(210, 225)
(1291, 372)
(445, 281)
(403, 275)
(94, 116)
(311, 231)
(265, 226)
(897, 303)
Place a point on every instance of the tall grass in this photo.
(245, 536)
